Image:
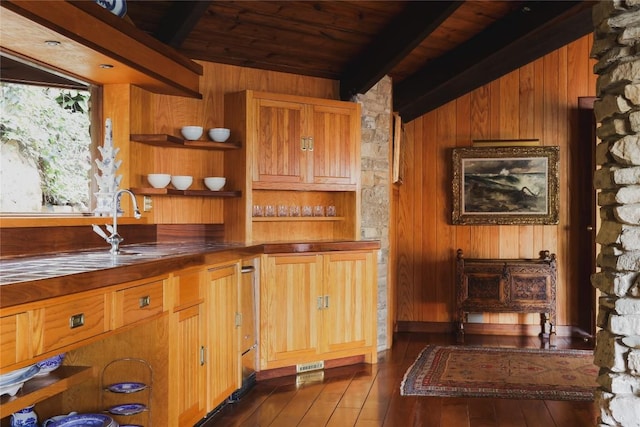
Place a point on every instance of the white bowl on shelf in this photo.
(214, 183)
(219, 134)
(159, 180)
(191, 132)
(181, 182)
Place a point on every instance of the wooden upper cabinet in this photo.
(305, 143)
(278, 141)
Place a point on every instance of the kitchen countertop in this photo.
(34, 278)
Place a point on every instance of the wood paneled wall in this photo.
(538, 101)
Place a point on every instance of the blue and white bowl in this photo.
(50, 364)
(85, 420)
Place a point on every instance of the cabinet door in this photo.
(335, 133)
(278, 154)
(290, 288)
(187, 368)
(350, 301)
(223, 334)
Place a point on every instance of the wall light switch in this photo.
(146, 207)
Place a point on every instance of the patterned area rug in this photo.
(513, 373)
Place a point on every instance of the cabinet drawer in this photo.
(13, 344)
(186, 289)
(138, 303)
(73, 321)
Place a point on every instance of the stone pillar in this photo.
(376, 107)
(617, 48)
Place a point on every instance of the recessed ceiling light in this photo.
(52, 43)
(106, 66)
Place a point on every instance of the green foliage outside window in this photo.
(51, 127)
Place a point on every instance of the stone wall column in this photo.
(617, 48)
(376, 107)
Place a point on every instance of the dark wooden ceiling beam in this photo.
(536, 29)
(179, 21)
(394, 43)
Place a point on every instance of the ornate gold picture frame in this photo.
(505, 185)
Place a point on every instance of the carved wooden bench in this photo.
(507, 285)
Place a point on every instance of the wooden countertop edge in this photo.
(14, 294)
(325, 246)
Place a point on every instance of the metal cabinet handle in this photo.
(303, 143)
(238, 319)
(326, 301)
(76, 320)
(310, 145)
(144, 301)
(202, 355)
(247, 269)
(320, 303)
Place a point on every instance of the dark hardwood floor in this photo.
(369, 395)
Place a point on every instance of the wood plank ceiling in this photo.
(434, 51)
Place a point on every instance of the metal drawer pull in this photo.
(247, 269)
(76, 321)
(144, 301)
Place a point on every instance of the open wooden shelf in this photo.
(172, 192)
(41, 388)
(164, 140)
(296, 218)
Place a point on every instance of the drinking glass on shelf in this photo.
(269, 210)
(318, 210)
(307, 211)
(283, 210)
(294, 210)
(258, 210)
(331, 210)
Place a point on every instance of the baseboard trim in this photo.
(484, 329)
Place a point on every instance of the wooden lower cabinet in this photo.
(222, 333)
(317, 307)
(187, 368)
(203, 358)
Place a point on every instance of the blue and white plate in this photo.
(127, 409)
(13, 381)
(85, 420)
(117, 7)
(127, 387)
(11, 377)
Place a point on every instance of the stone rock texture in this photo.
(376, 106)
(616, 46)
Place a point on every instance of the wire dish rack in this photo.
(126, 386)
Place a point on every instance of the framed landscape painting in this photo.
(505, 185)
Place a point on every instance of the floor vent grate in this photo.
(306, 367)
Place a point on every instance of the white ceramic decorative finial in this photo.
(108, 182)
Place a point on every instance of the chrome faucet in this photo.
(115, 239)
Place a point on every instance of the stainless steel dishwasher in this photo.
(248, 337)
